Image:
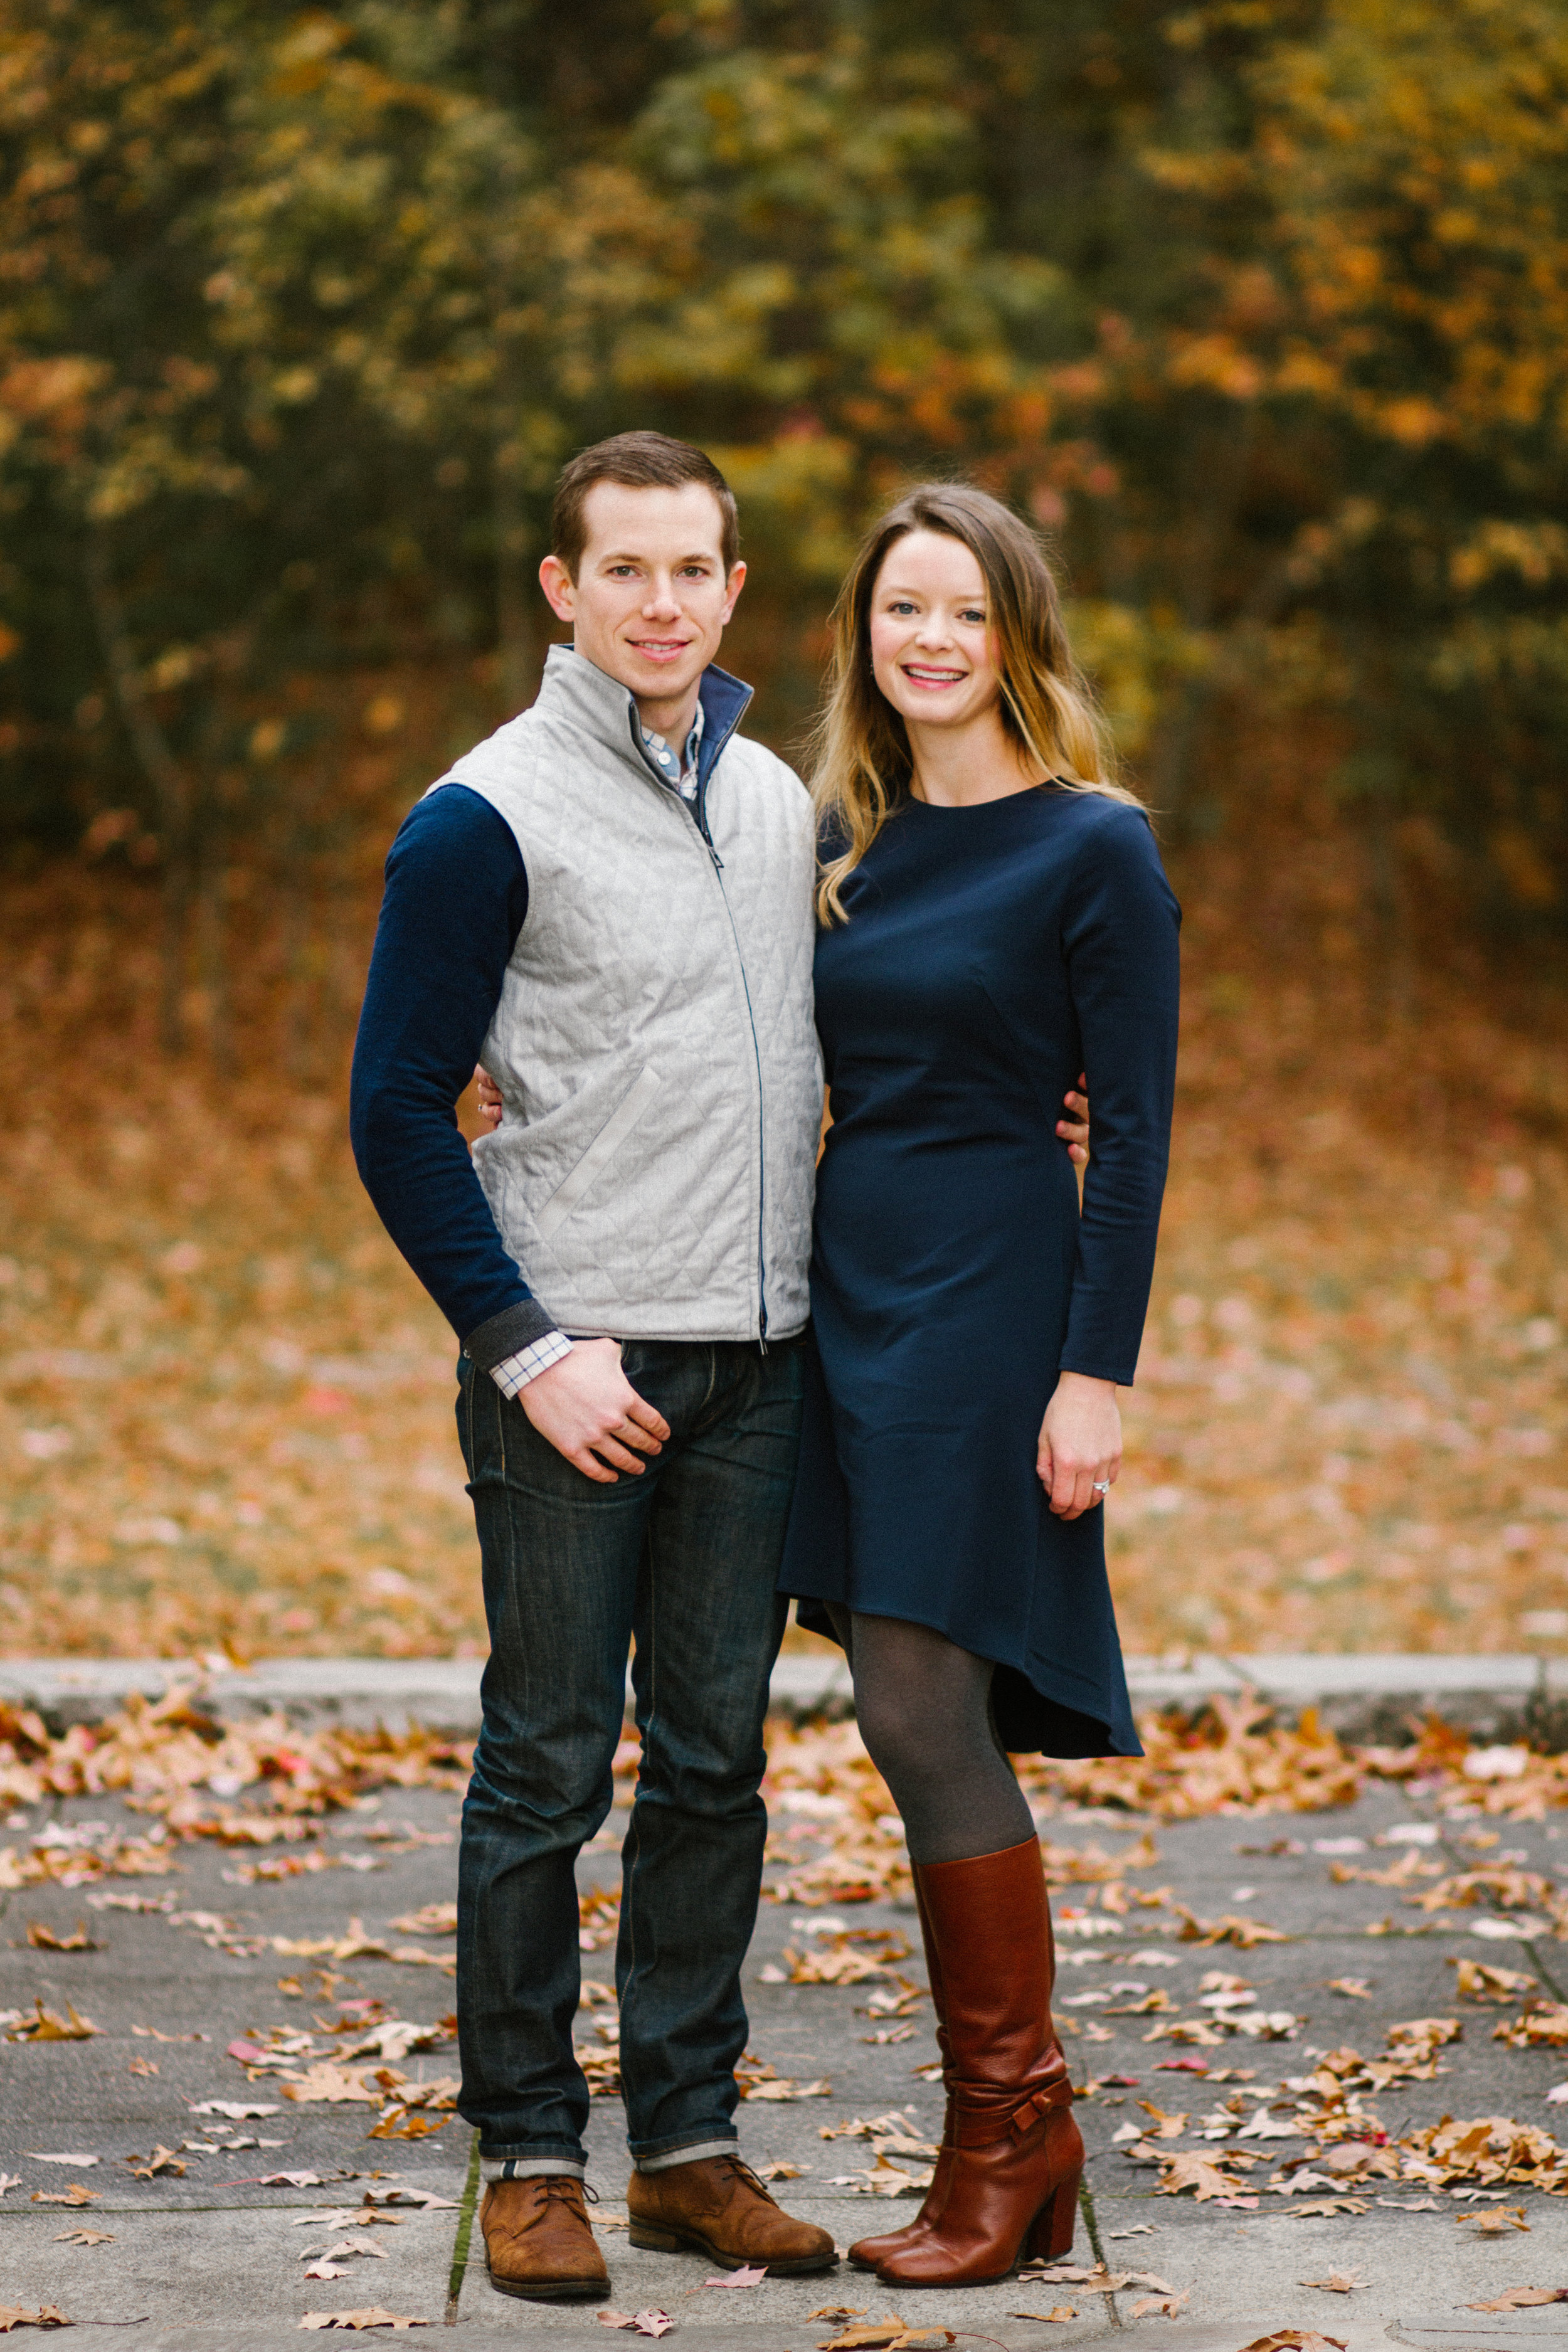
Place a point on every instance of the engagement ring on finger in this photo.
(1102, 1486)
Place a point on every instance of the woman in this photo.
(994, 915)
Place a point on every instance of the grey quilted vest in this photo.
(654, 1042)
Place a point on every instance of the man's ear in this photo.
(733, 587)
(560, 589)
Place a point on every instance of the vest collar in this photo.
(576, 690)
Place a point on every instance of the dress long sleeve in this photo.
(1120, 938)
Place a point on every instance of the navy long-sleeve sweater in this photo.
(456, 892)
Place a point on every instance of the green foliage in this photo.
(1261, 308)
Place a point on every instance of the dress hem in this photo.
(1017, 1687)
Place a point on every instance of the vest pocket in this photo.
(600, 1153)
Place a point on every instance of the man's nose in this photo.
(662, 597)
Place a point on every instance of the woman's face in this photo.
(931, 642)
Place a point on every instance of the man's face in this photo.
(650, 600)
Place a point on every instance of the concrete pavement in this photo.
(1359, 1696)
(216, 2258)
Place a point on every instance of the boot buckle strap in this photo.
(1035, 2109)
(976, 2127)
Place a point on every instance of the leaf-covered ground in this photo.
(226, 1405)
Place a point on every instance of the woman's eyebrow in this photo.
(895, 588)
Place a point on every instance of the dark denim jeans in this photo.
(682, 1561)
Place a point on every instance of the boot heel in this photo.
(1051, 2232)
(656, 2241)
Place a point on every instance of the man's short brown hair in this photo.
(640, 461)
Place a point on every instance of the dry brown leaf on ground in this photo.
(1478, 1980)
(1336, 2283)
(84, 2237)
(1201, 2174)
(1496, 2222)
(1326, 2207)
(325, 2084)
(75, 2195)
(641, 2323)
(1230, 1928)
(890, 2334)
(1522, 2298)
(1543, 2026)
(162, 2159)
(47, 2027)
(1296, 2339)
(45, 1940)
(1064, 2311)
(776, 2087)
(430, 1919)
(746, 2275)
(779, 2171)
(49, 2314)
(362, 2319)
(1352, 1987)
(405, 2123)
(1161, 2307)
(1489, 2150)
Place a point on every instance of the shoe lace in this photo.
(742, 2170)
(568, 2188)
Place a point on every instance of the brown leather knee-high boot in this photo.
(869, 2251)
(1013, 2153)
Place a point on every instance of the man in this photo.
(609, 903)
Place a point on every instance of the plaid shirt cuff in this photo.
(514, 1373)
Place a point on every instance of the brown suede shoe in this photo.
(717, 2207)
(538, 2243)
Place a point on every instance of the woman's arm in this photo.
(1119, 938)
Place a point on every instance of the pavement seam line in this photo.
(1552, 1987)
(464, 2238)
(1086, 2207)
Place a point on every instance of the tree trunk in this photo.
(170, 785)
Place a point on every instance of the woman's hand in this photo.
(1079, 1452)
(1074, 1130)
(491, 1097)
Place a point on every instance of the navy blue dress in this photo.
(991, 953)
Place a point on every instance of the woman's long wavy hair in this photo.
(859, 753)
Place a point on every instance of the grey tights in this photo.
(924, 1710)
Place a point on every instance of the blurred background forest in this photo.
(1259, 308)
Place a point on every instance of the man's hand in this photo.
(1079, 1452)
(489, 1095)
(590, 1412)
(1074, 1132)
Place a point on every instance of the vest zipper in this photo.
(699, 818)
